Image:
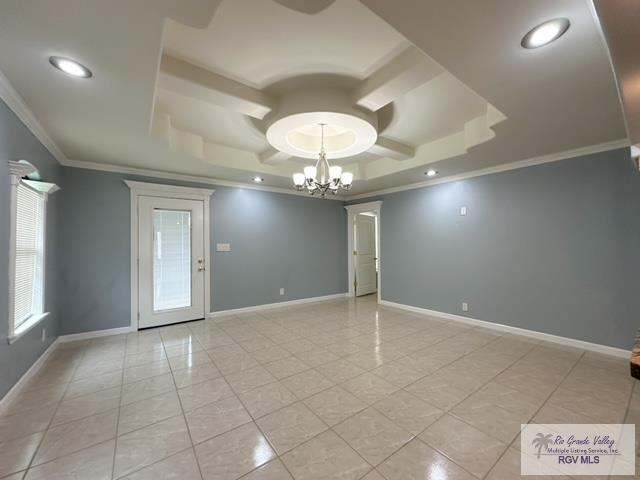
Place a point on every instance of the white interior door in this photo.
(171, 266)
(366, 277)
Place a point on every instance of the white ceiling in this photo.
(555, 98)
(260, 42)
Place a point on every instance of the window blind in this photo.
(29, 268)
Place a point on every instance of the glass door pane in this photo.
(171, 259)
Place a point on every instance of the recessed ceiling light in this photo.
(258, 179)
(70, 67)
(431, 173)
(545, 33)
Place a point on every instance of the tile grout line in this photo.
(253, 420)
(538, 410)
(184, 416)
(416, 436)
(447, 412)
(341, 383)
(341, 356)
(115, 446)
(35, 453)
(298, 400)
(278, 455)
(183, 413)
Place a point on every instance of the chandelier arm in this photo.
(322, 181)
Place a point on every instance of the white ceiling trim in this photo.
(404, 73)
(144, 172)
(17, 104)
(554, 157)
(192, 81)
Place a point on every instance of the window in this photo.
(27, 250)
(28, 284)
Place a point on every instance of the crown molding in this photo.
(530, 162)
(144, 172)
(554, 157)
(17, 104)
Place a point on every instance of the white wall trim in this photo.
(364, 207)
(268, 306)
(169, 191)
(17, 104)
(18, 170)
(28, 375)
(530, 162)
(138, 189)
(547, 337)
(352, 211)
(94, 334)
(144, 172)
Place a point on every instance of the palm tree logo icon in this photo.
(542, 441)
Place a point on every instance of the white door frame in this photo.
(352, 211)
(138, 189)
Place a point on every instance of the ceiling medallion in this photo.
(324, 120)
(293, 127)
(322, 178)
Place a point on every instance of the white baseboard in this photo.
(268, 306)
(95, 334)
(28, 375)
(547, 337)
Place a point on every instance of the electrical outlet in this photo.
(282, 291)
(44, 334)
(465, 307)
(463, 211)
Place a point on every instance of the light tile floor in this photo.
(342, 389)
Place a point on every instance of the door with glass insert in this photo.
(171, 266)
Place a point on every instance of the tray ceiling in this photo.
(191, 86)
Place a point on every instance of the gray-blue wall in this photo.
(277, 240)
(552, 248)
(16, 143)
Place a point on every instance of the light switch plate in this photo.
(223, 247)
(463, 211)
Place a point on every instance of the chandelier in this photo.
(323, 178)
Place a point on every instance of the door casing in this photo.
(352, 211)
(138, 189)
(365, 254)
